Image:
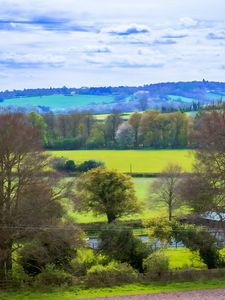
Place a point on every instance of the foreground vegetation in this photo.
(43, 246)
(140, 161)
(131, 289)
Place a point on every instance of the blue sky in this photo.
(120, 42)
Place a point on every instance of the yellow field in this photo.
(141, 161)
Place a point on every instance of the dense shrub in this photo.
(110, 275)
(85, 259)
(51, 276)
(90, 164)
(120, 244)
(58, 163)
(61, 164)
(56, 247)
(156, 263)
(70, 166)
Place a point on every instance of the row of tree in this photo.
(142, 130)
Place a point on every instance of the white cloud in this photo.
(103, 43)
(188, 22)
(127, 29)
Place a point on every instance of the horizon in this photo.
(113, 86)
(110, 44)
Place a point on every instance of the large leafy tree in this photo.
(29, 195)
(107, 192)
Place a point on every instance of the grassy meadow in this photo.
(183, 258)
(125, 290)
(140, 161)
(57, 102)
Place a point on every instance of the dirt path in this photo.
(213, 294)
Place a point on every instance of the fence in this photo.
(183, 275)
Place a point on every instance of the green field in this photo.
(131, 289)
(183, 258)
(57, 102)
(145, 161)
(140, 161)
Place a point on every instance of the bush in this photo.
(61, 164)
(121, 245)
(110, 275)
(50, 276)
(58, 163)
(90, 164)
(85, 259)
(156, 263)
(70, 166)
(50, 247)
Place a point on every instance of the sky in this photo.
(100, 43)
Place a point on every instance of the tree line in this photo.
(150, 129)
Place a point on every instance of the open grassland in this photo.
(131, 289)
(57, 102)
(151, 207)
(140, 161)
(183, 258)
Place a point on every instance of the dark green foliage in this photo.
(70, 166)
(90, 164)
(52, 246)
(61, 164)
(120, 244)
(66, 144)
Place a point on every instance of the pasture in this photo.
(135, 161)
(57, 102)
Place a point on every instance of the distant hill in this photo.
(163, 96)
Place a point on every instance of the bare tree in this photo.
(204, 190)
(165, 188)
(27, 197)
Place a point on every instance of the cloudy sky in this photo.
(121, 42)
